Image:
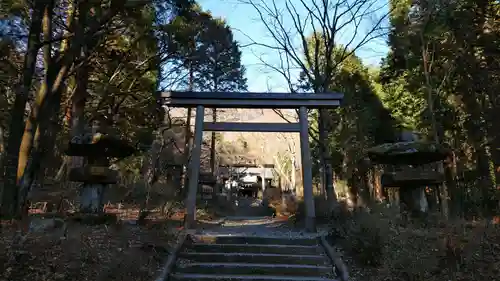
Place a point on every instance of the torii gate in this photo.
(202, 100)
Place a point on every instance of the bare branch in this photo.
(328, 21)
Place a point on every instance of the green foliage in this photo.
(362, 121)
(124, 76)
(405, 107)
(220, 68)
(205, 54)
(440, 76)
(10, 61)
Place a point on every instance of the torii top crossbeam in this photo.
(250, 100)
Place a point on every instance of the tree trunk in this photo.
(187, 139)
(378, 192)
(486, 178)
(212, 144)
(56, 79)
(49, 106)
(9, 196)
(450, 172)
(365, 186)
(187, 148)
(432, 94)
(80, 95)
(47, 57)
(2, 139)
(152, 160)
(91, 194)
(325, 160)
(478, 133)
(63, 170)
(435, 136)
(444, 193)
(2, 153)
(150, 173)
(38, 134)
(321, 144)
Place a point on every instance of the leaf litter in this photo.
(88, 252)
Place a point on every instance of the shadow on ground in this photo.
(249, 216)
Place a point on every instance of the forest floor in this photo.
(376, 246)
(381, 246)
(120, 250)
(57, 247)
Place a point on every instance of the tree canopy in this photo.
(102, 64)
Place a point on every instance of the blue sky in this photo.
(245, 22)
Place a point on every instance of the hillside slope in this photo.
(258, 147)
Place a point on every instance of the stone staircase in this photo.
(219, 257)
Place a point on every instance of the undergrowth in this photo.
(383, 246)
(115, 250)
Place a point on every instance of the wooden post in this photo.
(310, 219)
(194, 168)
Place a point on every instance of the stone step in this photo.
(255, 269)
(256, 248)
(256, 258)
(219, 277)
(228, 239)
